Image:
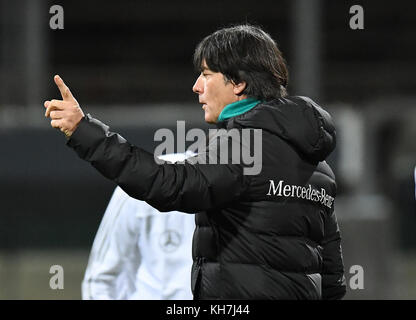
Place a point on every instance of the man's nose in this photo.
(197, 88)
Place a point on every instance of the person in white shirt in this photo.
(140, 253)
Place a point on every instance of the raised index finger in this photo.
(65, 92)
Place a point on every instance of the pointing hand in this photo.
(65, 114)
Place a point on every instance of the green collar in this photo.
(237, 108)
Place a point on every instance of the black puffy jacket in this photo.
(273, 235)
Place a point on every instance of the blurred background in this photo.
(129, 63)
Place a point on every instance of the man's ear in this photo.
(239, 88)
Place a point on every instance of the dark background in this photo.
(121, 59)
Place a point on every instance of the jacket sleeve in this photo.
(167, 187)
(114, 257)
(333, 279)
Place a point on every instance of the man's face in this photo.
(214, 93)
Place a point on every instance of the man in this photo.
(140, 253)
(272, 235)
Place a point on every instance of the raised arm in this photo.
(167, 187)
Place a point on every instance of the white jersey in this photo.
(140, 253)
